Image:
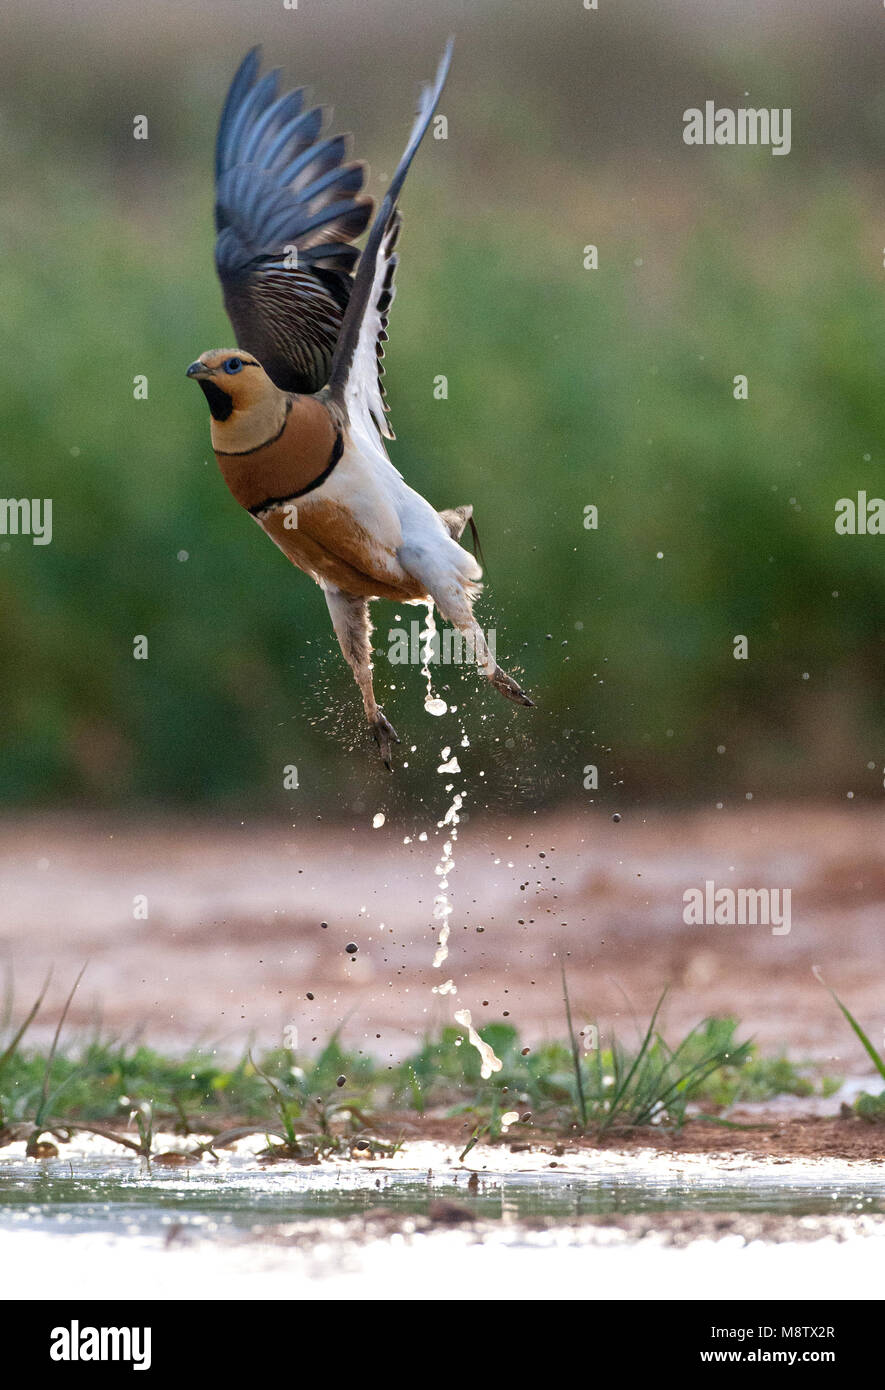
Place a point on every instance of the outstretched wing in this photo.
(355, 380)
(287, 207)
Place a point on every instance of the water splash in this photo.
(442, 906)
(490, 1063)
(432, 703)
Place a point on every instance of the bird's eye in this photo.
(233, 365)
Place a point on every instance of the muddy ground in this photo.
(233, 942)
(756, 1133)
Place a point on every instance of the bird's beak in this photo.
(199, 370)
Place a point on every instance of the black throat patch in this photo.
(220, 403)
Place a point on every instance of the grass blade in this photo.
(874, 1056)
(621, 1092)
(10, 1051)
(576, 1056)
(44, 1096)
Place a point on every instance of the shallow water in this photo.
(107, 1194)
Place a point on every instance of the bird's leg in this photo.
(353, 628)
(456, 607)
(489, 666)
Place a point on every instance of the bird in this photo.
(298, 415)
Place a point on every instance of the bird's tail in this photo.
(455, 520)
(477, 548)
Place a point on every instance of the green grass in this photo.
(868, 1106)
(330, 1101)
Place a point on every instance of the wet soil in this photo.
(233, 943)
(841, 1136)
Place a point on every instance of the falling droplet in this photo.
(432, 703)
(490, 1063)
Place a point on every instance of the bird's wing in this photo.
(355, 379)
(288, 204)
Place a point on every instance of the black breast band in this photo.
(270, 503)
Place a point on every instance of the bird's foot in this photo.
(383, 732)
(509, 688)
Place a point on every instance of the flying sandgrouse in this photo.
(298, 410)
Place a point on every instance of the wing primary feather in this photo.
(373, 283)
(279, 186)
(243, 80)
(272, 130)
(252, 107)
(343, 178)
(289, 111)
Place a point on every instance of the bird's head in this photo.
(246, 407)
(230, 380)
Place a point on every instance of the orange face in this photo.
(237, 374)
(234, 383)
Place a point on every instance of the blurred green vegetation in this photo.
(566, 387)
